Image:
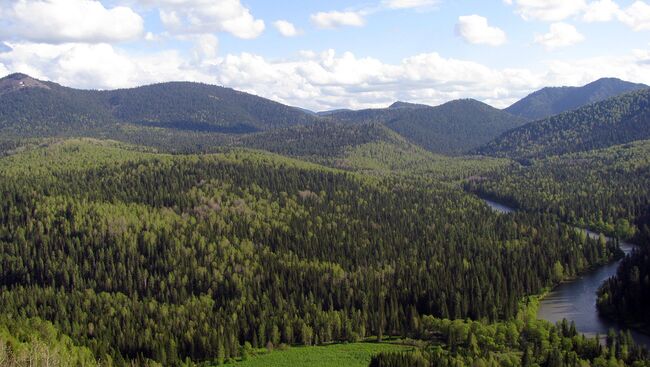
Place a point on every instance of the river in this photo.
(575, 300)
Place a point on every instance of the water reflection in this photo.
(576, 300)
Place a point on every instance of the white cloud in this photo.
(601, 11)
(206, 47)
(286, 28)
(59, 21)
(208, 16)
(548, 10)
(334, 19)
(97, 66)
(637, 16)
(559, 35)
(409, 4)
(312, 80)
(475, 29)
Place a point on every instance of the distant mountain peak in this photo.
(18, 81)
(551, 101)
(400, 104)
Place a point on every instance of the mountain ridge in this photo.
(454, 127)
(551, 101)
(615, 121)
(30, 105)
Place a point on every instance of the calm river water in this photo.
(576, 300)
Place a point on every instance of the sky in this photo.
(323, 55)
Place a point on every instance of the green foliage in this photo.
(452, 128)
(555, 100)
(626, 296)
(604, 190)
(614, 121)
(46, 109)
(34, 342)
(335, 355)
(161, 257)
(408, 160)
(521, 342)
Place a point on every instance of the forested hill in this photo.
(452, 128)
(554, 100)
(32, 107)
(148, 256)
(615, 121)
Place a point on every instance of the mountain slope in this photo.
(452, 128)
(202, 107)
(554, 100)
(33, 107)
(615, 121)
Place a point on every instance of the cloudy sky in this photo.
(320, 54)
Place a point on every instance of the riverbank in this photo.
(575, 299)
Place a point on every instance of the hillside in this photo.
(554, 100)
(605, 190)
(615, 121)
(149, 256)
(452, 128)
(30, 107)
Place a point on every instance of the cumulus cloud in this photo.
(206, 47)
(559, 35)
(548, 10)
(208, 16)
(409, 4)
(475, 29)
(335, 19)
(636, 16)
(286, 28)
(315, 80)
(601, 11)
(59, 21)
(98, 66)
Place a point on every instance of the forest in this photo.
(144, 256)
(618, 120)
(626, 296)
(184, 224)
(605, 190)
(523, 341)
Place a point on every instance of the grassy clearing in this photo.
(335, 355)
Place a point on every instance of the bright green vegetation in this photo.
(524, 341)
(626, 296)
(452, 128)
(323, 142)
(335, 355)
(555, 100)
(618, 120)
(606, 190)
(71, 155)
(207, 226)
(164, 258)
(404, 159)
(34, 342)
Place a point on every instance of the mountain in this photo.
(400, 104)
(452, 128)
(554, 100)
(614, 121)
(202, 107)
(33, 107)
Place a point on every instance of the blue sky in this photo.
(331, 54)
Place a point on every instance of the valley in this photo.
(188, 224)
